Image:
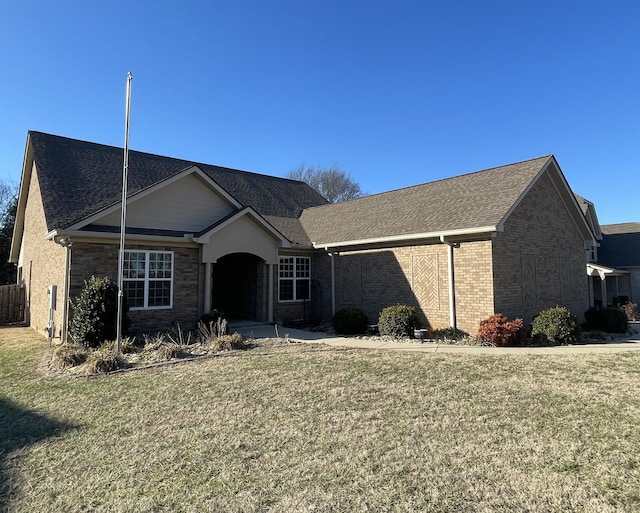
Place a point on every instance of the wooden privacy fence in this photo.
(12, 302)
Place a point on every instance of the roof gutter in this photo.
(410, 237)
(81, 234)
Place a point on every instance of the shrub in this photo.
(500, 332)
(557, 326)
(95, 312)
(168, 350)
(69, 355)
(212, 330)
(449, 333)
(350, 321)
(398, 321)
(212, 317)
(611, 320)
(127, 345)
(227, 343)
(631, 311)
(102, 361)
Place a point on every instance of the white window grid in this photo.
(294, 270)
(154, 271)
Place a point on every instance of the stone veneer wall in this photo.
(42, 263)
(188, 283)
(539, 259)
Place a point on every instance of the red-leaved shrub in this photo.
(500, 332)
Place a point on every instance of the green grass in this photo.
(307, 428)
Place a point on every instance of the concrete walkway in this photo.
(269, 331)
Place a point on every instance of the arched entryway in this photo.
(239, 286)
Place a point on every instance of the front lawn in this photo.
(310, 428)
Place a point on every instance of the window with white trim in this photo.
(147, 279)
(294, 278)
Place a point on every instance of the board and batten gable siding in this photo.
(539, 258)
(187, 205)
(42, 262)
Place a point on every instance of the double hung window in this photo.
(147, 279)
(294, 278)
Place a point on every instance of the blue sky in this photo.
(397, 93)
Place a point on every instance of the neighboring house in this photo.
(620, 256)
(511, 239)
(613, 264)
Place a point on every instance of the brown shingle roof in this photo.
(78, 178)
(465, 202)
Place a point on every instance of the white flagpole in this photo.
(123, 219)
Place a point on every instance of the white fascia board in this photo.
(155, 187)
(408, 237)
(204, 239)
(87, 236)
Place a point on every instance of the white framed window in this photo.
(294, 278)
(147, 279)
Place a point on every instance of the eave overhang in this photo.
(460, 235)
(112, 237)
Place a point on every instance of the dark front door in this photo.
(237, 286)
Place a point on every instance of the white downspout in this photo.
(270, 295)
(333, 284)
(66, 243)
(452, 283)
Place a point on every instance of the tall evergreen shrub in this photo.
(95, 313)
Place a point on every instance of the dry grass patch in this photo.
(306, 428)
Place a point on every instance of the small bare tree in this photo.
(332, 182)
(8, 209)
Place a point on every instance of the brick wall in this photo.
(539, 259)
(42, 263)
(474, 284)
(188, 292)
(320, 304)
(418, 276)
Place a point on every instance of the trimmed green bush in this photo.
(350, 321)
(556, 326)
(95, 312)
(611, 320)
(398, 321)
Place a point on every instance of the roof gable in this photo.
(80, 179)
(471, 205)
(186, 202)
(472, 202)
(244, 231)
(590, 214)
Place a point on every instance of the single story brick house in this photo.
(511, 239)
